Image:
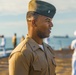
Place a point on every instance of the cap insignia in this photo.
(48, 11)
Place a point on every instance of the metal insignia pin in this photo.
(48, 11)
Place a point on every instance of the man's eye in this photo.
(47, 21)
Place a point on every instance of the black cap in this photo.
(42, 8)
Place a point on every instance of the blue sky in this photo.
(13, 17)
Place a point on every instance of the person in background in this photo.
(33, 56)
(14, 40)
(2, 45)
(22, 38)
(47, 40)
(73, 47)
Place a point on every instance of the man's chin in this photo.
(47, 36)
(43, 37)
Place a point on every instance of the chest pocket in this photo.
(53, 61)
(52, 56)
(36, 68)
(52, 65)
(36, 63)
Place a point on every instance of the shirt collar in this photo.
(34, 45)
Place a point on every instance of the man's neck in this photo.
(37, 39)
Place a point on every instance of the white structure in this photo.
(46, 40)
(73, 47)
(2, 45)
(75, 33)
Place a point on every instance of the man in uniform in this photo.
(14, 40)
(32, 56)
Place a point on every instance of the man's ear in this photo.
(34, 22)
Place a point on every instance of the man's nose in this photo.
(51, 24)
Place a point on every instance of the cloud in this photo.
(13, 6)
(20, 6)
(64, 5)
(12, 24)
(66, 21)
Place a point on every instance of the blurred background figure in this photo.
(22, 38)
(73, 47)
(46, 40)
(2, 45)
(14, 40)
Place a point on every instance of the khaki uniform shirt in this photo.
(29, 59)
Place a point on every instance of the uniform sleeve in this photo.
(19, 64)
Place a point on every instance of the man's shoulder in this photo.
(23, 47)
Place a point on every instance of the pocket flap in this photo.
(53, 61)
(36, 66)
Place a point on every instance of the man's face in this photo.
(43, 26)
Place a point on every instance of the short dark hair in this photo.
(2, 36)
(31, 14)
(15, 34)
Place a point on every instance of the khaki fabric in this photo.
(29, 59)
(14, 41)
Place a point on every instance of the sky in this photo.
(13, 17)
